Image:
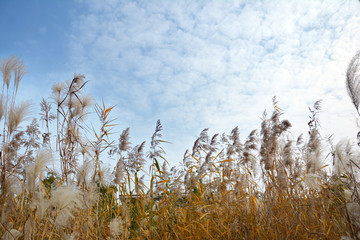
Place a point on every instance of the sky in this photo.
(191, 64)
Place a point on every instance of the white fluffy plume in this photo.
(33, 171)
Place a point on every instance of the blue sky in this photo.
(191, 64)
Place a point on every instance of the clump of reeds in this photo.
(264, 186)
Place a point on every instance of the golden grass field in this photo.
(267, 186)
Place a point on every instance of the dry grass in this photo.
(267, 187)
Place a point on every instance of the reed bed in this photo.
(266, 186)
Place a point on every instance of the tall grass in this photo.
(266, 186)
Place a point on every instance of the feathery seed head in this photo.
(353, 79)
(90, 196)
(33, 171)
(312, 181)
(299, 140)
(275, 117)
(213, 141)
(83, 173)
(288, 158)
(6, 67)
(119, 172)
(343, 153)
(117, 227)
(285, 125)
(136, 158)
(314, 141)
(13, 185)
(195, 147)
(124, 143)
(66, 199)
(19, 72)
(204, 136)
(42, 203)
(78, 80)
(235, 136)
(313, 161)
(57, 90)
(87, 101)
(17, 115)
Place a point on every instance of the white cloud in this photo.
(217, 64)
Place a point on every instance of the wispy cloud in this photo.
(217, 64)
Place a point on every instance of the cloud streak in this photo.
(217, 64)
